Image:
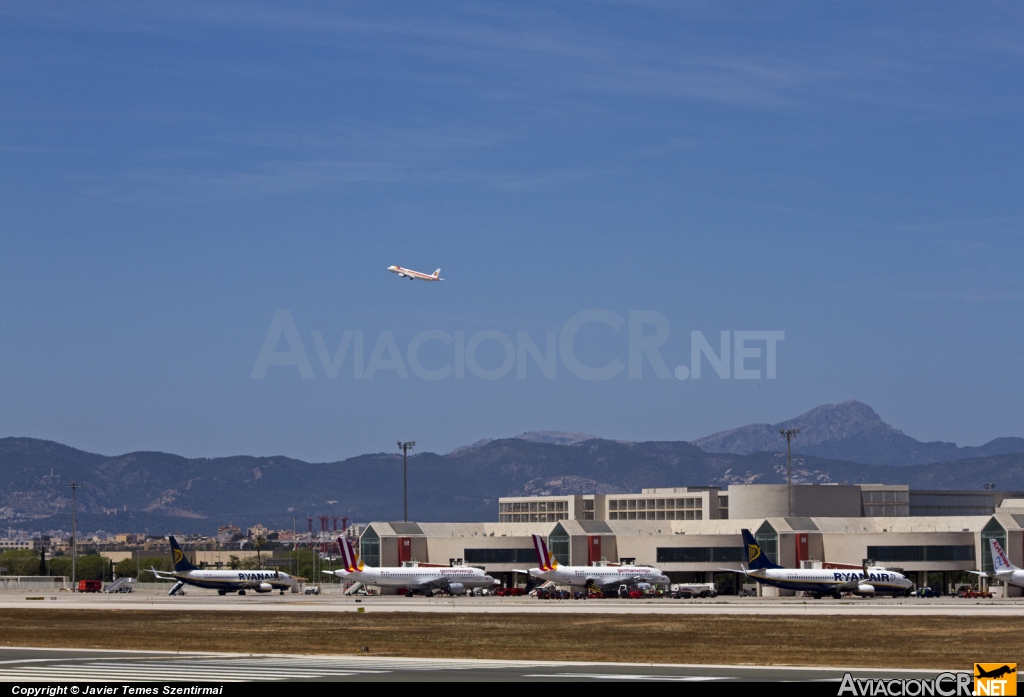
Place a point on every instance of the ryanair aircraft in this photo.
(819, 582)
(223, 580)
(454, 580)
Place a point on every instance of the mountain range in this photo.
(849, 431)
(160, 492)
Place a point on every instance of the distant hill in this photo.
(850, 431)
(553, 437)
(161, 493)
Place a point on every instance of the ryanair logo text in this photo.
(248, 576)
(846, 577)
(944, 685)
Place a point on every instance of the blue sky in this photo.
(173, 176)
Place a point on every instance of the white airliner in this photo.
(223, 580)
(591, 576)
(415, 275)
(819, 582)
(1003, 570)
(454, 580)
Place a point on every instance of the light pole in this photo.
(789, 434)
(74, 486)
(406, 446)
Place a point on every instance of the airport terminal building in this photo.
(692, 533)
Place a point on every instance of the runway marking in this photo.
(619, 676)
(220, 669)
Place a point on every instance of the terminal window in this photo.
(500, 556)
(905, 553)
(697, 555)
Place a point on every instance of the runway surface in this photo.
(210, 601)
(23, 665)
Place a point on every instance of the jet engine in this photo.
(264, 588)
(456, 589)
(865, 589)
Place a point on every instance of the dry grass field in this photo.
(890, 642)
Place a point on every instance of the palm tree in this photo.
(258, 543)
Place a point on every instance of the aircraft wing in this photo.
(521, 571)
(977, 573)
(162, 574)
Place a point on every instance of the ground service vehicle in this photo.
(965, 592)
(90, 586)
(926, 592)
(694, 590)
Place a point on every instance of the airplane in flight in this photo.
(1003, 570)
(415, 275)
(602, 577)
(454, 580)
(866, 581)
(223, 580)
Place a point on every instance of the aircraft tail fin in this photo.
(999, 560)
(756, 558)
(181, 563)
(349, 557)
(437, 273)
(545, 560)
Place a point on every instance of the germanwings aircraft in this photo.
(415, 275)
(819, 582)
(454, 580)
(1003, 570)
(590, 576)
(223, 580)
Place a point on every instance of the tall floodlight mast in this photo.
(789, 434)
(405, 446)
(74, 486)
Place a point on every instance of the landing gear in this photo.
(241, 592)
(408, 594)
(282, 591)
(222, 592)
(429, 594)
(837, 595)
(816, 596)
